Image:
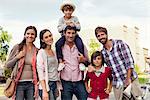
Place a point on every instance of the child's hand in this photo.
(67, 23)
(89, 89)
(70, 23)
(107, 90)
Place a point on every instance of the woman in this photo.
(24, 56)
(47, 67)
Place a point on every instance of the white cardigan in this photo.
(42, 67)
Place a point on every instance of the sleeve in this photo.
(126, 52)
(61, 25)
(110, 74)
(12, 59)
(77, 23)
(40, 66)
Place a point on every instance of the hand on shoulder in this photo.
(91, 68)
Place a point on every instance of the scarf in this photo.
(20, 69)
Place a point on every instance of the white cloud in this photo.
(85, 5)
(108, 8)
(29, 10)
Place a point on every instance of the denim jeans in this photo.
(76, 88)
(25, 91)
(52, 92)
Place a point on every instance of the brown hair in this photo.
(23, 42)
(43, 44)
(100, 29)
(70, 28)
(94, 55)
(67, 7)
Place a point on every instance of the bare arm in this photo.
(87, 83)
(109, 82)
(128, 79)
(45, 92)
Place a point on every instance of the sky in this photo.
(16, 15)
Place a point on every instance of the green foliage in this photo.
(7, 72)
(143, 80)
(137, 68)
(93, 46)
(4, 43)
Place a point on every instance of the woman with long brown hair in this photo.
(24, 56)
(47, 67)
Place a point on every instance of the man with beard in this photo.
(118, 56)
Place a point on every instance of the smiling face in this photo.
(97, 61)
(68, 13)
(102, 37)
(47, 38)
(30, 36)
(70, 35)
(68, 10)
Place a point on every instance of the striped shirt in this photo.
(120, 60)
(71, 72)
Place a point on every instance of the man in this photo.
(118, 56)
(71, 75)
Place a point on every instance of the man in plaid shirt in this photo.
(118, 56)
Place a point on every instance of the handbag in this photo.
(10, 86)
(127, 91)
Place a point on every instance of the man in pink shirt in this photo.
(71, 76)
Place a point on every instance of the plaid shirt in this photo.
(120, 60)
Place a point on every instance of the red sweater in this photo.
(98, 84)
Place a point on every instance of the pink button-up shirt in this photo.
(71, 72)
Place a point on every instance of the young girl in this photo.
(47, 67)
(99, 86)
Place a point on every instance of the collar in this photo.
(74, 46)
(101, 70)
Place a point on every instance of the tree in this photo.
(93, 46)
(4, 44)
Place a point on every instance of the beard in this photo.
(103, 40)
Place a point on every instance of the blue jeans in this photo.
(25, 91)
(52, 92)
(76, 88)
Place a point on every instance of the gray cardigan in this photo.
(12, 59)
